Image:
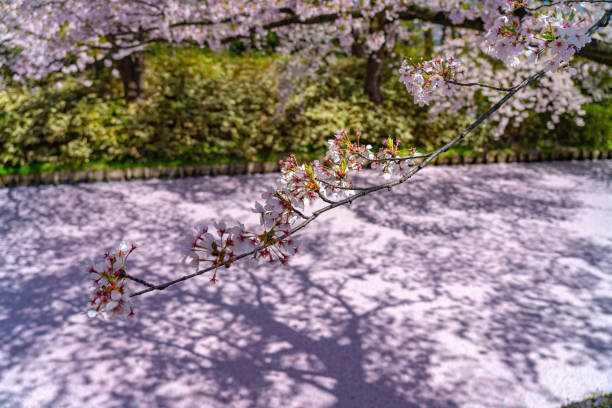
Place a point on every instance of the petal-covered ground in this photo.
(477, 286)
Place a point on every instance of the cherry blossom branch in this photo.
(396, 159)
(141, 281)
(564, 2)
(325, 199)
(297, 186)
(361, 193)
(327, 183)
(496, 88)
(298, 212)
(601, 23)
(198, 273)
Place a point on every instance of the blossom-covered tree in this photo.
(68, 35)
(539, 37)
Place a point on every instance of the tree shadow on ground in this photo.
(463, 288)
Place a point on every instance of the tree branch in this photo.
(563, 2)
(596, 50)
(480, 85)
(602, 22)
(362, 193)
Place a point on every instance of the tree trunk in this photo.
(358, 49)
(131, 69)
(428, 38)
(374, 75)
(375, 61)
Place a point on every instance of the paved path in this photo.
(481, 286)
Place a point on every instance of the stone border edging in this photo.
(525, 157)
(89, 176)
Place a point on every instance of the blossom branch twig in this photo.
(396, 159)
(362, 193)
(496, 88)
(602, 22)
(556, 3)
(141, 281)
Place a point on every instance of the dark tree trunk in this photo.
(375, 62)
(358, 49)
(374, 75)
(131, 69)
(428, 44)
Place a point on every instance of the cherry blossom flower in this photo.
(375, 41)
(110, 293)
(424, 78)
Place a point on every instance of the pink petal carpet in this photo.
(470, 286)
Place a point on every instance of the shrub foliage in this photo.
(204, 108)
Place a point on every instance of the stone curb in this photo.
(525, 156)
(89, 176)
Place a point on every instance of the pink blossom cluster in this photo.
(343, 157)
(387, 159)
(554, 95)
(205, 247)
(424, 78)
(68, 35)
(274, 244)
(375, 41)
(229, 242)
(333, 178)
(110, 293)
(298, 186)
(551, 36)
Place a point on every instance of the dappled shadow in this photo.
(516, 190)
(471, 286)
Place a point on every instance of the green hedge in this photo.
(205, 108)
